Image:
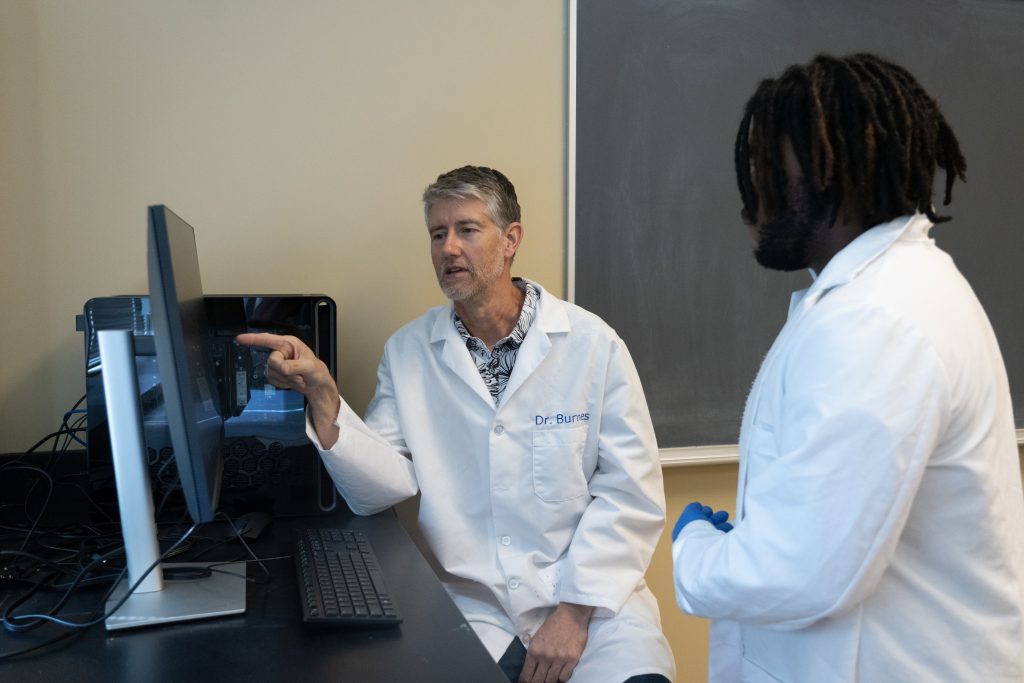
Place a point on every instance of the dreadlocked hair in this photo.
(864, 131)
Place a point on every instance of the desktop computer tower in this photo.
(269, 464)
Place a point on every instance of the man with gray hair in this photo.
(521, 422)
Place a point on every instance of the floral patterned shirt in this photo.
(496, 365)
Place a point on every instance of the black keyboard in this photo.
(340, 581)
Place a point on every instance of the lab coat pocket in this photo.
(558, 464)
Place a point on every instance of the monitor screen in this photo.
(186, 369)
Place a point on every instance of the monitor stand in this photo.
(216, 595)
(153, 601)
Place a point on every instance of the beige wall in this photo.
(713, 485)
(296, 138)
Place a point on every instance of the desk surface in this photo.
(269, 642)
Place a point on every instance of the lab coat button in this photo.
(499, 429)
(513, 584)
(506, 540)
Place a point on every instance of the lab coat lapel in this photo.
(445, 340)
(550, 319)
(754, 399)
(843, 267)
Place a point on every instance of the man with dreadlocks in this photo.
(879, 533)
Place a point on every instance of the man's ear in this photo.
(513, 238)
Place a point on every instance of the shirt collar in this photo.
(848, 263)
(518, 334)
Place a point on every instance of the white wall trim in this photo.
(699, 455)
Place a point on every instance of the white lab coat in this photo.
(880, 532)
(555, 494)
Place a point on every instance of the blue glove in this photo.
(695, 511)
(719, 520)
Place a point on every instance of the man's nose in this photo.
(451, 244)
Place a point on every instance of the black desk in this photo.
(270, 643)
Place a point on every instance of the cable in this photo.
(240, 538)
(238, 535)
(38, 646)
(82, 554)
(93, 503)
(32, 621)
(189, 573)
(170, 489)
(258, 560)
(80, 421)
(10, 622)
(17, 465)
(62, 439)
(37, 558)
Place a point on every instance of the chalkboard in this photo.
(660, 251)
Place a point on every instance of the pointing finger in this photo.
(264, 340)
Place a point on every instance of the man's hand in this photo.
(695, 511)
(293, 365)
(558, 645)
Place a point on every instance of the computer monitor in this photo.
(196, 431)
(189, 385)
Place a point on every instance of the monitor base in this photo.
(219, 594)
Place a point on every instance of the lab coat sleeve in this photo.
(615, 538)
(370, 464)
(864, 398)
